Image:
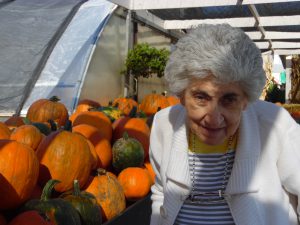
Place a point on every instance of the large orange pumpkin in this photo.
(97, 119)
(44, 110)
(86, 104)
(31, 217)
(4, 131)
(136, 182)
(151, 103)
(135, 127)
(125, 104)
(109, 194)
(64, 156)
(27, 134)
(19, 169)
(102, 146)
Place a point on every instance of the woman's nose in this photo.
(214, 117)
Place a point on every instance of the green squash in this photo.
(85, 204)
(127, 152)
(56, 210)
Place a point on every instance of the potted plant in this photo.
(145, 61)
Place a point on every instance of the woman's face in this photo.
(213, 110)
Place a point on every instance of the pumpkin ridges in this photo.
(64, 156)
(136, 182)
(19, 169)
(109, 194)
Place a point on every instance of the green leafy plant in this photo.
(144, 61)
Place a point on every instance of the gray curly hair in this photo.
(221, 50)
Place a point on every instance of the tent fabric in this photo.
(65, 69)
(45, 47)
(27, 28)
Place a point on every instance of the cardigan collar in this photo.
(242, 179)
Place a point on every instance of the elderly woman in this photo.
(222, 156)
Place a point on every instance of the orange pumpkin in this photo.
(125, 104)
(27, 134)
(135, 127)
(19, 169)
(136, 182)
(109, 194)
(101, 144)
(149, 168)
(64, 156)
(4, 131)
(97, 119)
(30, 217)
(14, 121)
(86, 104)
(151, 103)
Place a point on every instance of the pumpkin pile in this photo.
(83, 168)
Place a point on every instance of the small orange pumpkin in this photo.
(151, 103)
(109, 194)
(149, 168)
(86, 104)
(136, 182)
(125, 104)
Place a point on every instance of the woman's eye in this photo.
(229, 100)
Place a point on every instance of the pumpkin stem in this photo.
(47, 190)
(133, 112)
(101, 171)
(125, 135)
(53, 125)
(68, 125)
(26, 121)
(54, 99)
(76, 188)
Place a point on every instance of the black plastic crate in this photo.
(138, 213)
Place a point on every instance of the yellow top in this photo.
(197, 146)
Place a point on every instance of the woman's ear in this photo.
(182, 99)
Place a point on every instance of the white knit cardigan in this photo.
(265, 179)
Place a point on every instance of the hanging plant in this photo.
(145, 61)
